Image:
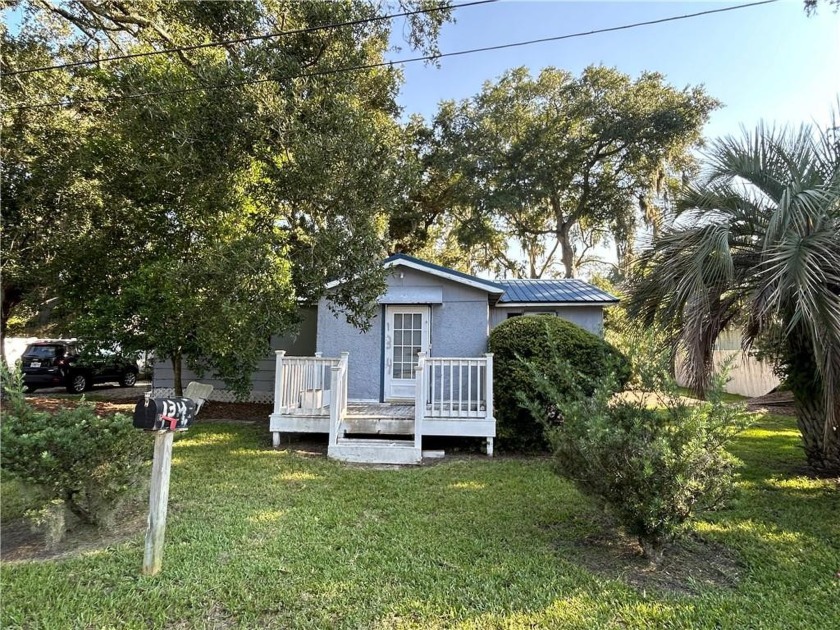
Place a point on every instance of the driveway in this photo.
(106, 390)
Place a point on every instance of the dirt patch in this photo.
(689, 566)
(21, 543)
(211, 411)
(103, 408)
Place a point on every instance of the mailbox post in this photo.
(163, 416)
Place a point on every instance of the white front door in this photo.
(406, 334)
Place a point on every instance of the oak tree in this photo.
(553, 165)
(229, 182)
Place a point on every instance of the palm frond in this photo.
(759, 233)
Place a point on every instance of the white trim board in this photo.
(502, 305)
(412, 295)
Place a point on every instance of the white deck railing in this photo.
(449, 391)
(338, 405)
(455, 387)
(302, 385)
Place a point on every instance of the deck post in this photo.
(489, 386)
(335, 403)
(489, 403)
(278, 380)
(278, 392)
(345, 359)
(419, 399)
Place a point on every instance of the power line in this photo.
(382, 64)
(300, 31)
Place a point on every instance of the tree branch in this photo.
(76, 20)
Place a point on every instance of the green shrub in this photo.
(651, 457)
(94, 464)
(525, 346)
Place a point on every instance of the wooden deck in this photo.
(454, 397)
(363, 418)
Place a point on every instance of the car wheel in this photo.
(128, 379)
(28, 389)
(78, 383)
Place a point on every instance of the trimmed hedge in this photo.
(538, 341)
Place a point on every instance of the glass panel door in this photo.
(406, 335)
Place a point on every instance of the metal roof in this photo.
(567, 290)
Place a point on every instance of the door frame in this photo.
(402, 389)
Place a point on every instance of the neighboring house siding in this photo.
(747, 376)
(459, 328)
(590, 318)
(300, 343)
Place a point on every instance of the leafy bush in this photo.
(94, 464)
(653, 458)
(527, 346)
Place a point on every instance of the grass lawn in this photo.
(263, 538)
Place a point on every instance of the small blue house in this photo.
(445, 313)
(422, 367)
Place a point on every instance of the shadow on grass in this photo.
(770, 447)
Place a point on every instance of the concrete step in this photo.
(374, 451)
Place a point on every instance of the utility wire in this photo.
(311, 29)
(382, 64)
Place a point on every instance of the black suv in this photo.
(53, 363)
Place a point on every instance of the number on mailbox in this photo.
(164, 414)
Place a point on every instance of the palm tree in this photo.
(756, 243)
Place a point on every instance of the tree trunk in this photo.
(624, 257)
(176, 374)
(821, 442)
(822, 448)
(652, 548)
(567, 250)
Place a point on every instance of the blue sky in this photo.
(770, 62)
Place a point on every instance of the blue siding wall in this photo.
(337, 335)
(590, 318)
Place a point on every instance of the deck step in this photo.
(374, 451)
(377, 426)
(375, 414)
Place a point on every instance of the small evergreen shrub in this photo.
(541, 345)
(651, 457)
(93, 464)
